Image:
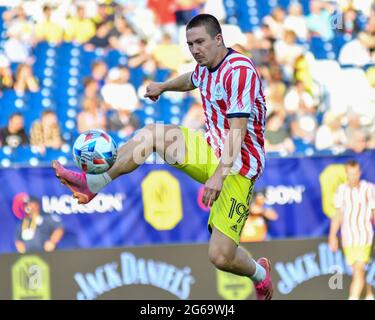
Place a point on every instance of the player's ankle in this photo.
(97, 182)
(259, 274)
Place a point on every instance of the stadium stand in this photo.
(61, 68)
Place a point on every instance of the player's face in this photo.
(202, 46)
(353, 174)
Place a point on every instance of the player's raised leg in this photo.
(224, 253)
(152, 138)
(167, 140)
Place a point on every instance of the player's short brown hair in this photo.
(352, 163)
(211, 24)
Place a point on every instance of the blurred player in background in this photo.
(235, 111)
(355, 204)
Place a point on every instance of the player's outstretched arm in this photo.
(232, 148)
(181, 83)
(334, 228)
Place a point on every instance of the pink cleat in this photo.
(75, 181)
(264, 289)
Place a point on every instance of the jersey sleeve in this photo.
(242, 87)
(338, 199)
(195, 77)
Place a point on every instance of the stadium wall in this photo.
(302, 269)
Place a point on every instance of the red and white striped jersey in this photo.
(356, 205)
(234, 89)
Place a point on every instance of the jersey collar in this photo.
(230, 50)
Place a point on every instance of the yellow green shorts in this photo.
(355, 254)
(229, 212)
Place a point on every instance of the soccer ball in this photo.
(94, 151)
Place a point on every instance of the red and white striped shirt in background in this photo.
(356, 205)
(234, 89)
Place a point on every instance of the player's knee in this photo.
(156, 132)
(358, 271)
(220, 259)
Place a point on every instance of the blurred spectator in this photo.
(350, 23)
(16, 50)
(186, 9)
(129, 27)
(330, 134)
(298, 100)
(302, 107)
(357, 51)
(140, 17)
(167, 54)
(271, 74)
(296, 21)
(79, 28)
(90, 90)
(143, 58)
(363, 6)
(257, 49)
(275, 92)
(14, 134)
(357, 141)
(370, 25)
(45, 133)
(101, 38)
(303, 126)
(287, 51)
(118, 93)
(194, 118)
(123, 37)
(104, 14)
(91, 117)
(38, 231)
(165, 18)
(47, 29)
(99, 70)
(234, 36)
(123, 121)
(319, 20)
(277, 137)
(264, 32)
(256, 225)
(20, 27)
(6, 77)
(25, 79)
(275, 22)
(302, 73)
(356, 135)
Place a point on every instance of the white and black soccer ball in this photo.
(94, 151)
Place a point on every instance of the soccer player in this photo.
(230, 157)
(355, 204)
